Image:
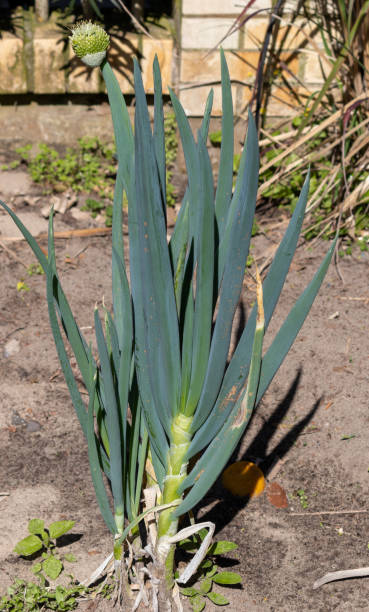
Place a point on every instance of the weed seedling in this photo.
(303, 498)
(44, 541)
(208, 573)
(35, 269)
(31, 597)
(22, 287)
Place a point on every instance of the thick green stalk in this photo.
(176, 473)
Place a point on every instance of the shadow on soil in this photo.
(228, 506)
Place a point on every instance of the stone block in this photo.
(194, 99)
(163, 48)
(83, 80)
(316, 67)
(283, 103)
(211, 7)
(49, 65)
(121, 53)
(259, 4)
(12, 68)
(199, 66)
(206, 33)
(288, 66)
(290, 35)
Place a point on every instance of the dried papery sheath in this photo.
(89, 43)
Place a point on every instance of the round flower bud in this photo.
(89, 43)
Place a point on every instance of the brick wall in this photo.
(37, 61)
(205, 22)
(41, 65)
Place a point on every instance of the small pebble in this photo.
(33, 426)
(11, 348)
(17, 419)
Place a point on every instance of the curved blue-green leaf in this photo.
(232, 281)
(159, 133)
(42, 259)
(159, 467)
(125, 152)
(204, 256)
(52, 285)
(238, 368)
(140, 465)
(204, 129)
(190, 150)
(112, 419)
(220, 449)
(121, 123)
(124, 368)
(134, 445)
(180, 235)
(158, 438)
(93, 456)
(250, 148)
(211, 463)
(112, 342)
(160, 335)
(187, 343)
(120, 288)
(181, 240)
(225, 182)
(291, 326)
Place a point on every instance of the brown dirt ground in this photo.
(319, 397)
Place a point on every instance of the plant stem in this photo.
(176, 473)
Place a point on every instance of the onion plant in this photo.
(164, 391)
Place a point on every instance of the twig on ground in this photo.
(355, 299)
(328, 512)
(79, 233)
(360, 572)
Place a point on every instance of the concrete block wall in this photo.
(203, 26)
(43, 65)
(40, 63)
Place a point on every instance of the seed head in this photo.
(89, 43)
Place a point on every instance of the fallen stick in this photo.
(327, 512)
(360, 572)
(81, 233)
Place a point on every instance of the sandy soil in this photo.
(310, 433)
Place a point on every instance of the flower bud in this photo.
(89, 43)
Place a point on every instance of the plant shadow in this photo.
(228, 506)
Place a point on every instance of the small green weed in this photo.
(43, 540)
(208, 573)
(22, 287)
(303, 498)
(12, 166)
(93, 206)
(35, 269)
(96, 207)
(91, 167)
(31, 597)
